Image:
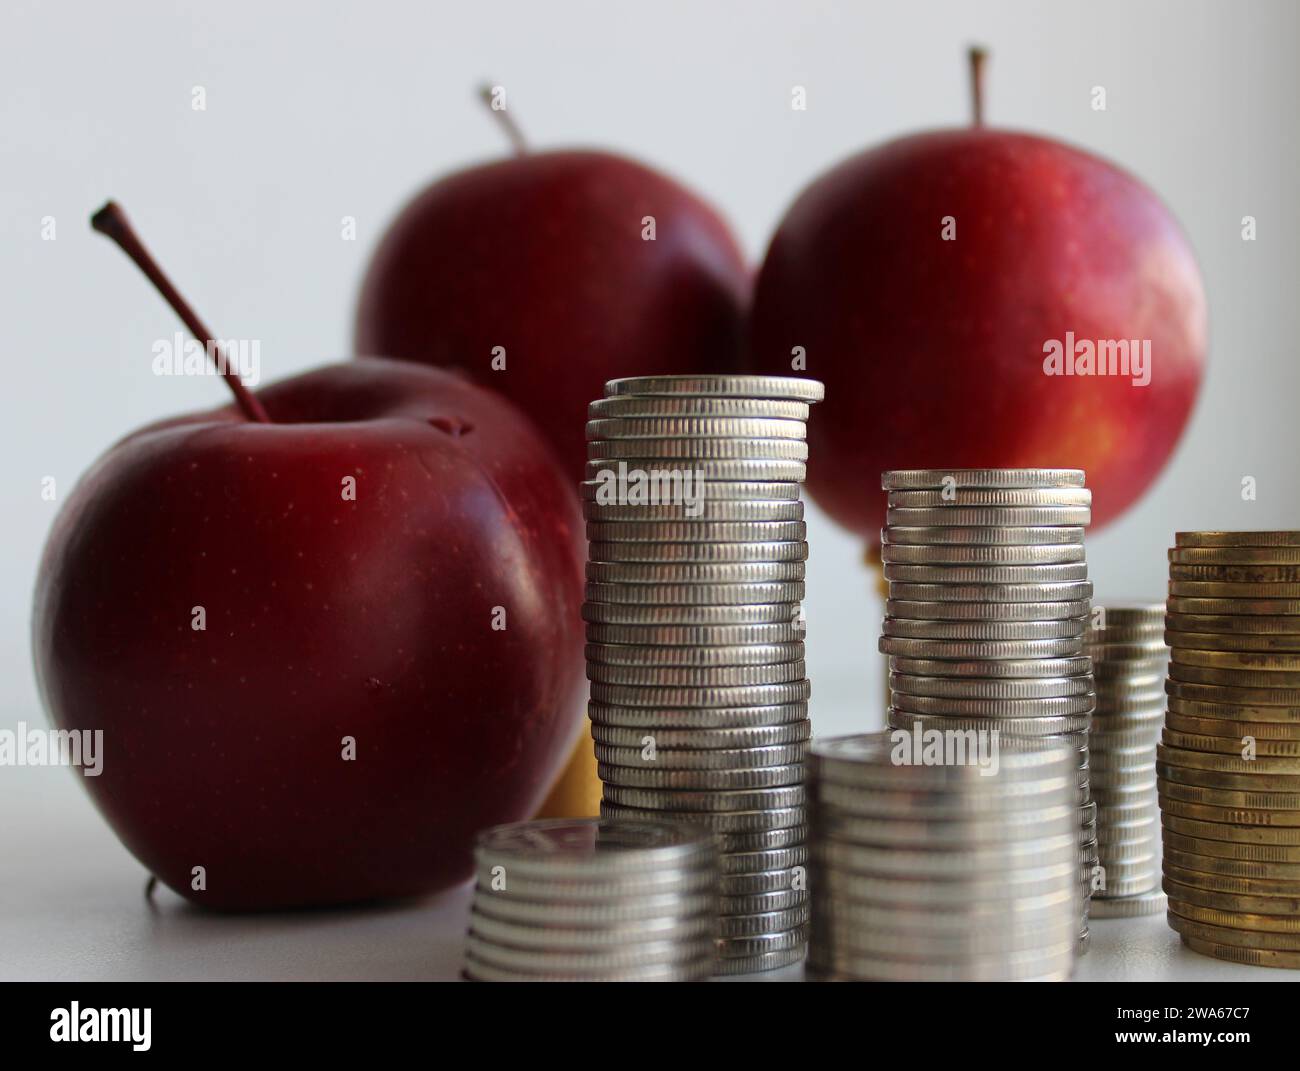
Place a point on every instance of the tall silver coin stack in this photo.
(1129, 662)
(591, 900)
(942, 872)
(699, 696)
(988, 602)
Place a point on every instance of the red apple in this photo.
(544, 256)
(933, 350)
(327, 617)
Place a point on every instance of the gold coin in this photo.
(1233, 833)
(1282, 821)
(1236, 555)
(1223, 641)
(1263, 721)
(1235, 574)
(1260, 661)
(1233, 624)
(1230, 745)
(1226, 797)
(1232, 868)
(1237, 539)
(1222, 883)
(1274, 680)
(1235, 920)
(1281, 698)
(1233, 764)
(1223, 589)
(1249, 957)
(1269, 790)
(1238, 902)
(1202, 604)
(1280, 942)
(1226, 849)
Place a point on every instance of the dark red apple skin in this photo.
(932, 350)
(325, 618)
(542, 254)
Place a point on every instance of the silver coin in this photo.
(605, 613)
(653, 909)
(981, 554)
(653, 573)
(986, 611)
(1076, 666)
(768, 961)
(1127, 907)
(906, 479)
(990, 497)
(669, 491)
(761, 840)
(985, 574)
(769, 922)
(985, 688)
(756, 695)
(638, 955)
(719, 386)
(702, 636)
(985, 517)
(675, 553)
(973, 650)
(771, 859)
(950, 947)
(762, 882)
(917, 863)
(997, 534)
(729, 947)
(994, 709)
(704, 759)
(685, 880)
(631, 654)
(880, 968)
(762, 903)
(984, 631)
(588, 847)
(657, 469)
(701, 780)
(696, 594)
(703, 449)
(675, 427)
(692, 971)
(696, 676)
(696, 531)
(683, 800)
(1030, 727)
(694, 406)
(955, 833)
(731, 823)
(1071, 591)
(553, 938)
(941, 895)
(702, 511)
(754, 724)
(1057, 911)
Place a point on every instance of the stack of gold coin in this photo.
(1129, 660)
(1229, 763)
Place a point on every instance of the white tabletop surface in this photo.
(72, 908)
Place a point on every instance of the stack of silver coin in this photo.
(591, 900)
(1129, 661)
(959, 871)
(988, 602)
(699, 696)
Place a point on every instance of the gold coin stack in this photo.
(1229, 763)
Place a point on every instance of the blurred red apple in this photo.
(328, 616)
(545, 256)
(927, 280)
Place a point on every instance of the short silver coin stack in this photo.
(699, 695)
(942, 872)
(586, 900)
(988, 602)
(1129, 664)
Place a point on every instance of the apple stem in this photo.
(977, 57)
(111, 221)
(507, 121)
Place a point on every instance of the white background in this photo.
(315, 112)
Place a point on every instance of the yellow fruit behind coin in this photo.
(576, 793)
